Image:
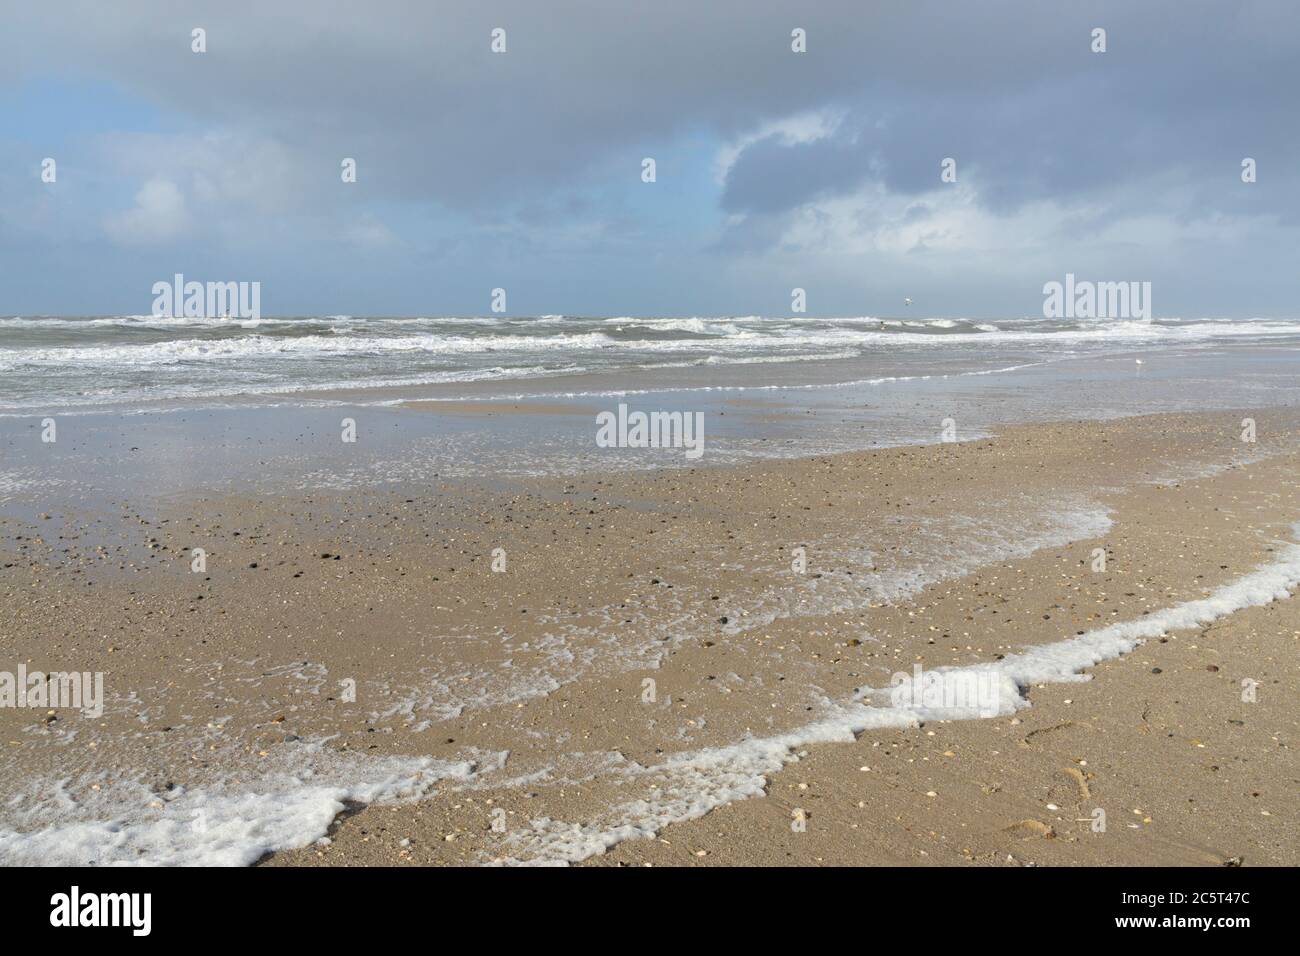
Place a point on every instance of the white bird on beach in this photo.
(907, 301)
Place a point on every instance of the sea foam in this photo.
(690, 784)
(123, 822)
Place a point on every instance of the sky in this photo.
(774, 169)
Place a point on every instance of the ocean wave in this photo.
(724, 337)
(55, 361)
(256, 346)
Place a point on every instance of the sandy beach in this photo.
(789, 438)
(674, 667)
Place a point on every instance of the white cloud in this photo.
(370, 231)
(159, 214)
(806, 127)
(220, 167)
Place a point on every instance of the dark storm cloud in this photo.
(1194, 91)
(1008, 87)
(414, 85)
(773, 176)
(496, 156)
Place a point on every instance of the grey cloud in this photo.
(450, 134)
(1190, 89)
(412, 87)
(771, 175)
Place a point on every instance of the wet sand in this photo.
(524, 689)
(451, 407)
